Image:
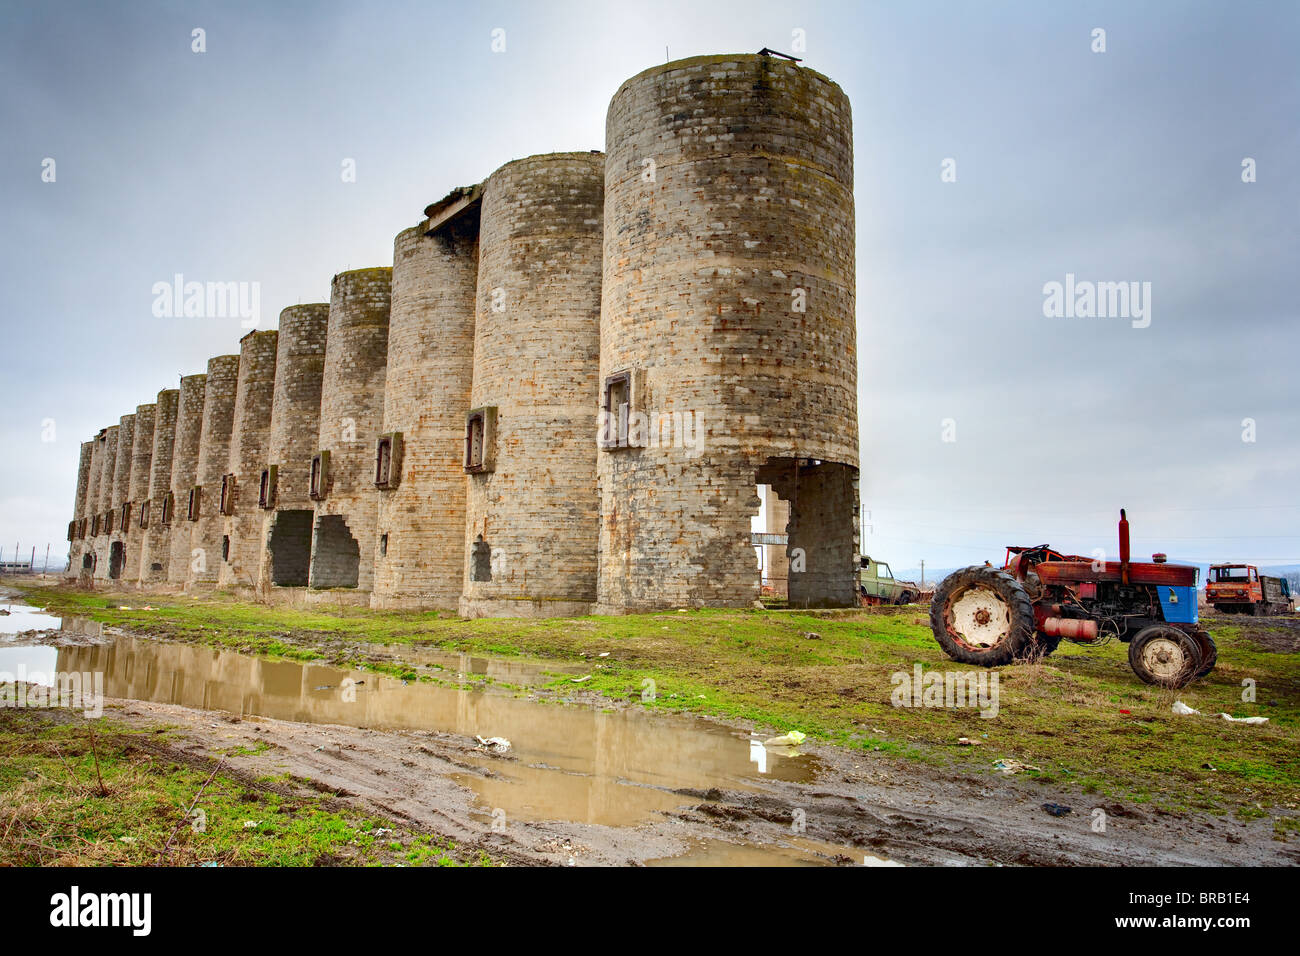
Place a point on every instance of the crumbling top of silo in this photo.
(460, 202)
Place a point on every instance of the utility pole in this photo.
(923, 574)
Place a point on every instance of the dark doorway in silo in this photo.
(88, 561)
(116, 559)
(335, 554)
(289, 544)
(822, 529)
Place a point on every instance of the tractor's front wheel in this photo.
(983, 616)
(1165, 656)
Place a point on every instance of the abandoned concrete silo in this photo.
(351, 419)
(531, 507)
(728, 354)
(137, 489)
(206, 542)
(180, 509)
(77, 529)
(254, 395)
(420, 559)
(283, 486)
(155, 545)
(107, 469)
(117, 509)
(90, 513)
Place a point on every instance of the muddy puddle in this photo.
(16, 618)
(571, 763)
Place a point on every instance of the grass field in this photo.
(1081, 716)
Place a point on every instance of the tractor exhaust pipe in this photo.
(1123, 546)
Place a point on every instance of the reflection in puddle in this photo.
(35, 665)
(566, 763)
(519, 673)
(23, 617)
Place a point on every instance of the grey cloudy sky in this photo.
(1115, 166)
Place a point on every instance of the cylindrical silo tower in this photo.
(137, 489)
(254, 395)
(419, 557)
(283, 485)
(728, 355)
(119, 517)
(155, 545)
(351, 420)
(531, 506)
(181, 509)
(207, 546)
(90, 512)
(108, 468)
(77, 535)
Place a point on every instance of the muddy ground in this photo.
(860, 807)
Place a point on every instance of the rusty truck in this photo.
(1241, 589)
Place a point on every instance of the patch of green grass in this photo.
(70, 798)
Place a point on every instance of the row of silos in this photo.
(564, 394)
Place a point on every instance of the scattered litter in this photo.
(1181, 708)
(1057, 809)
(252, 824)
(210, 863)
(811, 636)
(967, 742)
(126, 839)
(604, 654)
(1126, 712)
(793, 739)
(1245, 720)
(1208, 766)
(496, 745)
(123, 607)
(380, 831)
(582, 679)
(1013, 766)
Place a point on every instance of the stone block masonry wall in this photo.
(108, 468)
(254, 396)
(213, 459)
(121, 486)
(532, 520)
(155, 546)
(728, 296)
(77, 545)
(137, 490)
(351, 420)
(426, 396)
(85, 570)
(185, 465)
(593, 362)
(295, 428)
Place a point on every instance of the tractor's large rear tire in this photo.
(1164, 656)
(983, 616)
(1209, 653)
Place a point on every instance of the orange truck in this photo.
(1241, 589)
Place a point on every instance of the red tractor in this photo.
(992, 616)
